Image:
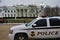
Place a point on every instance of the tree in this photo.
(47, 11)
(56, 10)
(52, 11)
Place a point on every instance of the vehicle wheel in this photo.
(21, 37)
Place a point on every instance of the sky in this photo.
(27, 2)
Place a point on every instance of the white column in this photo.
(23, 13)
(15, 15)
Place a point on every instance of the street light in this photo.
(41, 12)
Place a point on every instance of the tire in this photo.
(21, 37)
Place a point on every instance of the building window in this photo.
(11, 11)
(8, 15)
(0, 10)
(5, 11)
(5, 15)
(14, 15)
(8, 11)
(14, 10)
(11, 15)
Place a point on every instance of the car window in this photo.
(41, 22)
(54, 22)
(28, 24)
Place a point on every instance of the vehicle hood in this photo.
(18, 27)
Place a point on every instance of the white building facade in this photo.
(10, 12)
(1, 12)
(26, 11)
(20, 11)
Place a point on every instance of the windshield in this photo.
(28, 24)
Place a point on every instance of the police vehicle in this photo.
(48, 27)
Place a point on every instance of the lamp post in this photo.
(41, 11)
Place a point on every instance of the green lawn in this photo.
(18, 20)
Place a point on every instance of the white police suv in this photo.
(48, 27)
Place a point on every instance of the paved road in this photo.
(4, 30)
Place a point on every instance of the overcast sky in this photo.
(27, 2)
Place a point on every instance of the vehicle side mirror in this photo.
(34, 25)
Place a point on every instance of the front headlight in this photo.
(11, 31)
